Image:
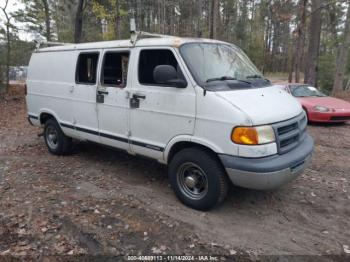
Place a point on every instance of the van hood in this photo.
(265, 105)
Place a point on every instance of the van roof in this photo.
(154, 41)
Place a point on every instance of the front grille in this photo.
(289, 133)
(285, 129)
(289, 141)
(340, 118)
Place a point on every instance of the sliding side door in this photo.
(84, 96)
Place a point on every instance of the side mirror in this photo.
(166, 74)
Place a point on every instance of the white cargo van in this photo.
(200, 106)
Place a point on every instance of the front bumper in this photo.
(337, 116)
(270, 172)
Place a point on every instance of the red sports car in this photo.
(318, 106)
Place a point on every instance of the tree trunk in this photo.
(199, 30)
(211, 20)
(300, 39)
(185, 18)
(79, 22)
(117, 20)
(333, 22)
(47, 20)
(8, 57)
(292, 62)
(170, 20)
(214, 18)
(314, 44)
(266, 46)
(8, 45)
(342, 56)
(348, 85)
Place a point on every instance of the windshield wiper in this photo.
(258, 77)
(223, 78)
(253, 76)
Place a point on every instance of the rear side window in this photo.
(115, 69)
(149, 59)
(87, 68)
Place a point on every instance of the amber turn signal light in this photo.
(245, 136)
(253, 135)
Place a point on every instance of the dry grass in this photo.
(16, 90)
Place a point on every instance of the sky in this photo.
(13, 6)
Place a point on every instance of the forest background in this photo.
(301, 40)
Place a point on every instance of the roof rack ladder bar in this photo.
(39, 44)
(136, 34)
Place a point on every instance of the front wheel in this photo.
(198, 179)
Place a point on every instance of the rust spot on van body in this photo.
(177, 42)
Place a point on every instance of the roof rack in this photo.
(139, 34)
(135, 35)
(39, 44)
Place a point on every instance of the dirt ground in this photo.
(98, 201)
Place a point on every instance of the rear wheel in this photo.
(198, 179)
(57, 142)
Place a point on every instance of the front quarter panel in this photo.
(215, 119)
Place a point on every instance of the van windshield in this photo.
(220, 62)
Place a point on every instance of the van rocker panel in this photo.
(268, 172)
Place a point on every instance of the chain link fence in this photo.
(18, 73)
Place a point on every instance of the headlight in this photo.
(321, 109)
(253, 135)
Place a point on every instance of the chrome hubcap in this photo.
(52, 137)
(192, 180)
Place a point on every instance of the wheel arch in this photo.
(181, 143)
(45, 115)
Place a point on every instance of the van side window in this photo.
(87, 68)
(149, 59)
(115, 69)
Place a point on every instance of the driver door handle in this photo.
(138, 96)
(100, 92)
(135, 100)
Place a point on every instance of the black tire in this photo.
(205, 162)
(62, 145)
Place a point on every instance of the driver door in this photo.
(158, 112)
